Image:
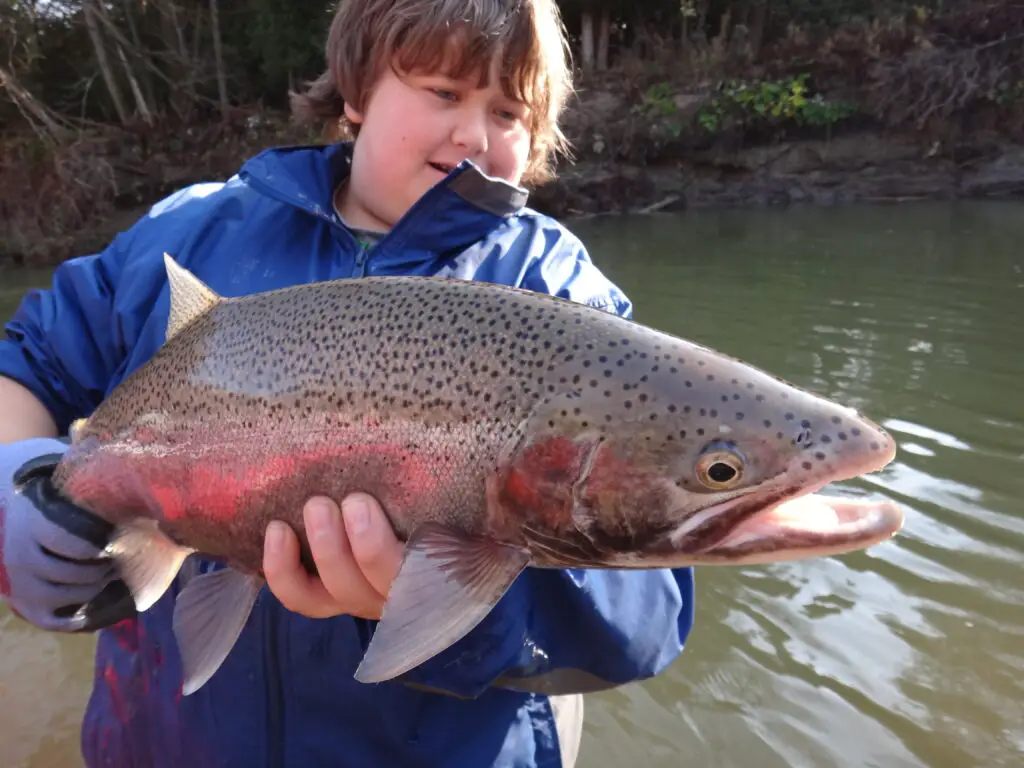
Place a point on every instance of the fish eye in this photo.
(720, 467)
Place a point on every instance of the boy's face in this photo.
(415, 128)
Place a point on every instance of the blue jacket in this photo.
(286, 695)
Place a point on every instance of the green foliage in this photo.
(834, 12)
(659, 108)
(772, 104)
(283, 46)
(1008, 93)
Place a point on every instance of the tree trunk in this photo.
(140, 101)
(222, 81)
(603, 33)
(183, 98)
(92, 25)
(587, 41)
(761, 14)
(138, 53)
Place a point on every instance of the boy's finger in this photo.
(338, 569)
(377, 551)
(288, 580)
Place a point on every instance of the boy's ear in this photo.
(354, 115)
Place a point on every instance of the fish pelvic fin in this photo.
(447, 584)
(190, 297)
(147, 560)
(209, 615)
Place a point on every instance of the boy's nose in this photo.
(470, 132)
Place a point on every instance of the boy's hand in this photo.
(356, 552)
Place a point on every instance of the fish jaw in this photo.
(812, 525)
(770, 529)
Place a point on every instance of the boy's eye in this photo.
(511, 114)
(445, 94)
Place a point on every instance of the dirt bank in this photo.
(858, 167)
(624, 162)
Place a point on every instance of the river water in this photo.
(909, 654)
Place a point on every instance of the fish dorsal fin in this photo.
(190, 297)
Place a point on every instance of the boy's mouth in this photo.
(442, 168)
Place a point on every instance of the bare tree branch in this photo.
(222, 82)
(92, 13)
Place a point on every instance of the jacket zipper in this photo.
(361, 258)
(275, 692)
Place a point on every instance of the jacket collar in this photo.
(459, 210)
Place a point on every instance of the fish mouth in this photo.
(810, 525)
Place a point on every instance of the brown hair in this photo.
(459, 37)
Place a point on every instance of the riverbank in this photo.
(735, 108)
(627, 160)
(862, 167)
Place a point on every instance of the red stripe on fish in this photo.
(174, 485)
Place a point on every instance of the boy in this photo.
(453, 104)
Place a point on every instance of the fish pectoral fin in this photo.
(147, 560)
(209, 615)
(447, 584)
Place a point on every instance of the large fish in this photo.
(499, 429)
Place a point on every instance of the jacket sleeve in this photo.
(567, 631)
(63, 343)
(66, 343)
